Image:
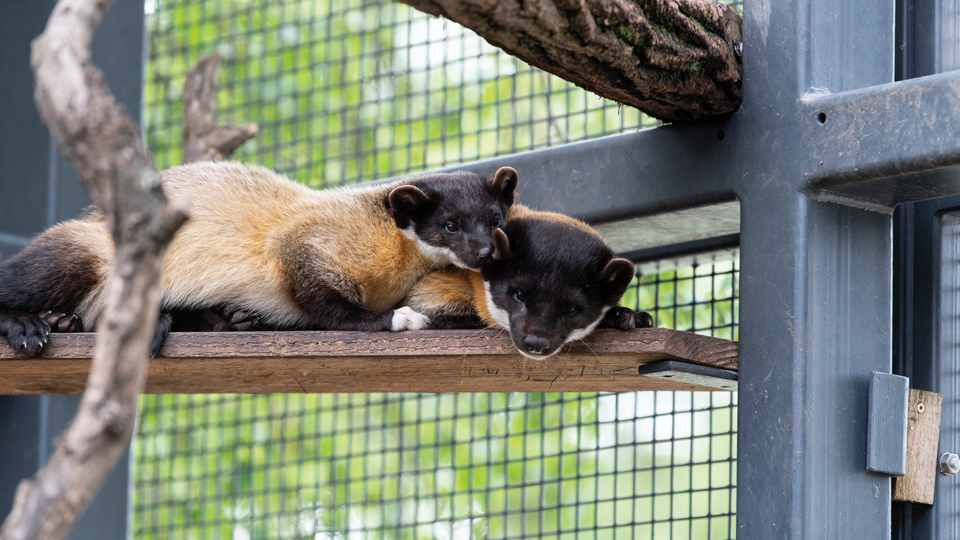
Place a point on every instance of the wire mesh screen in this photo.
(347, 92)
(628, 465)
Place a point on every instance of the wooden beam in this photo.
(412, 361)
(918, 485)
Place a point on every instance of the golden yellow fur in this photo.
(257, 215)
(518, 211)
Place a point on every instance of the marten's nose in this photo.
(536, 344)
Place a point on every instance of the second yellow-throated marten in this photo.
(551, 280)
(299, 258)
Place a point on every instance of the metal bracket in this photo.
(887, 424)
(711, 377)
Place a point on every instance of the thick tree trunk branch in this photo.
(672, 59)
(202, 139)
(108, 154)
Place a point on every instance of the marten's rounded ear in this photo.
(505, 182)
(501, 246)
(404, 201)
(616, 277)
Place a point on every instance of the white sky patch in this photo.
(240, 532)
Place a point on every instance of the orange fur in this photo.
(480, 301)
(519, 211)
(257, 215)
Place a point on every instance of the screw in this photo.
(949, 464)
(920, 408)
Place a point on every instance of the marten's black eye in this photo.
(452, 227)
(495, 222)
(571, 310)
(518, 296)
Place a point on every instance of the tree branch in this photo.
(202, 140)
(108, 155)
(672, 59)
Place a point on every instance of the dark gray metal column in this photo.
(815, 281)
(39, 189)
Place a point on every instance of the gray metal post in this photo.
(39, 190)
(816, 283)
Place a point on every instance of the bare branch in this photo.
(108, 155)
(672, 59)
(202, 140)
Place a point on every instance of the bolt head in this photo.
(949, 464)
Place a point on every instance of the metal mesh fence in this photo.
(628, 465)
(346, 92)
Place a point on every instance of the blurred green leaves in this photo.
(346, 92)
(404, 466)
(433, 465)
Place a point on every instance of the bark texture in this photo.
(202, 139)
(108, 155)
(672, 59)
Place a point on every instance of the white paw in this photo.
(406, 318)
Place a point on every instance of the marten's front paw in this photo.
(627, 319)
(26, 333)
(406, 318)
(230, 318)
(241, 320)
(62, 322)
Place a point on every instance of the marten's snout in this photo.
(478, 251)
(536, 344)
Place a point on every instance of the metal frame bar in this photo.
(871, 138)
(625, 176)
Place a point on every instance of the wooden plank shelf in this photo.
(411, 361)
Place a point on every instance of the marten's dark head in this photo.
(550, 283)
(452, 216)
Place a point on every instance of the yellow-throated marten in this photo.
(299, 258)
(551, 280)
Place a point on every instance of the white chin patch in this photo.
(499, 315)
(584, 332)
(406, 318)
(440, 256)
(538, 356)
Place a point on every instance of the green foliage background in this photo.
(347, 92)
